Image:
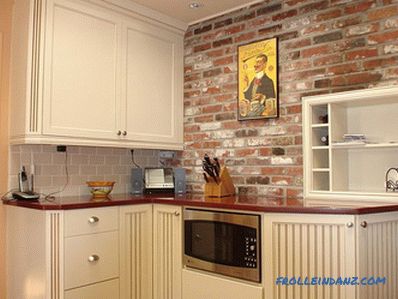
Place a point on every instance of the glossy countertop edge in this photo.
(271, 205)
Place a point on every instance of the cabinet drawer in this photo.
(102, 290)
(91, 258)
(87, 221)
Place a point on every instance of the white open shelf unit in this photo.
(350, 172)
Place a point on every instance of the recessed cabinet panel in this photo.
(81, 82)
(153, 77)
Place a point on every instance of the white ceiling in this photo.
(179, 9)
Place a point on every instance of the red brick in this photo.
(211, 109)
(330, 59)
(328, 15)
(338, 81)
(225, 116)
(294, 193)
(363, 78)
(215, 53)
(210, 144)
(212, 90)
(315, 51)
(223, 61)
(245, 152)
(191, 128)
(203, 29)
(298, 44)
(230, 107)
(272, 29)
(231, 125)
(284, 15)
(360, 54)
(318, 5)
(383, 13)
(293, 109)
(264, 151)
(380, 62)
(343, 69)
(234, 29)
(223, 23)
(190, 94)
(347, 22)
(202, 47)
(295, 2)
(269, 9)
(384, 37)
(259, 21)
(314, 28)
(204, 118)
(245, 37)
(359, 7)
(223, 42)
(245, 17)
(272, 170)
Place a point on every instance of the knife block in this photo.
(225, 186)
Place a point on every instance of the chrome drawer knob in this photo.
(93, 219)
(177, 213)
(350, 224)
(364, 224)
(119, 133)
(124, 133)
(93, 258)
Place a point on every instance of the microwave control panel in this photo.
(250, 256)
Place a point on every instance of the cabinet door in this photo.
(167, 252)
(321, 246)
(136, 252)
(153, 84)
(377, 254)
(82, 62)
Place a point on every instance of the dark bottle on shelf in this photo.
(324, 140)
(323, 119)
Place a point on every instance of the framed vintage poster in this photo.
(258, 80)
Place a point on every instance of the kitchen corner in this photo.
(276, 120)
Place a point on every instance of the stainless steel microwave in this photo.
(223, 243)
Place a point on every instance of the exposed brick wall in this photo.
(324, 46)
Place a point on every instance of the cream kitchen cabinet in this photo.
(136, 252)
(167, 248)
(88, 73)
(128, 252)
(62, 254)
(330, 246)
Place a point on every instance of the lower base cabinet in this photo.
(330, 246)
(99, 253)
(167, 248)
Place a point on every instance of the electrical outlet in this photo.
(167, 155)
(61, 148)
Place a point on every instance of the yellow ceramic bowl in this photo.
(100, 189)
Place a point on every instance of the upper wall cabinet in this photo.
(87, 74)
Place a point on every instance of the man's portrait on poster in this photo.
(257, 80)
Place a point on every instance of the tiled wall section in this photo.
(84, 164)
(324, 46)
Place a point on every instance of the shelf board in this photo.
(364, 146)
(320, 147)
(321, 169)
(320, 125)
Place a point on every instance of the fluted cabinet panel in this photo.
(136, 252)
(378, 254)
(167, 252)
(299, 246)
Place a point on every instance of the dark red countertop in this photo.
(242, 203)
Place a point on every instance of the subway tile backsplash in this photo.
(84, 164)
